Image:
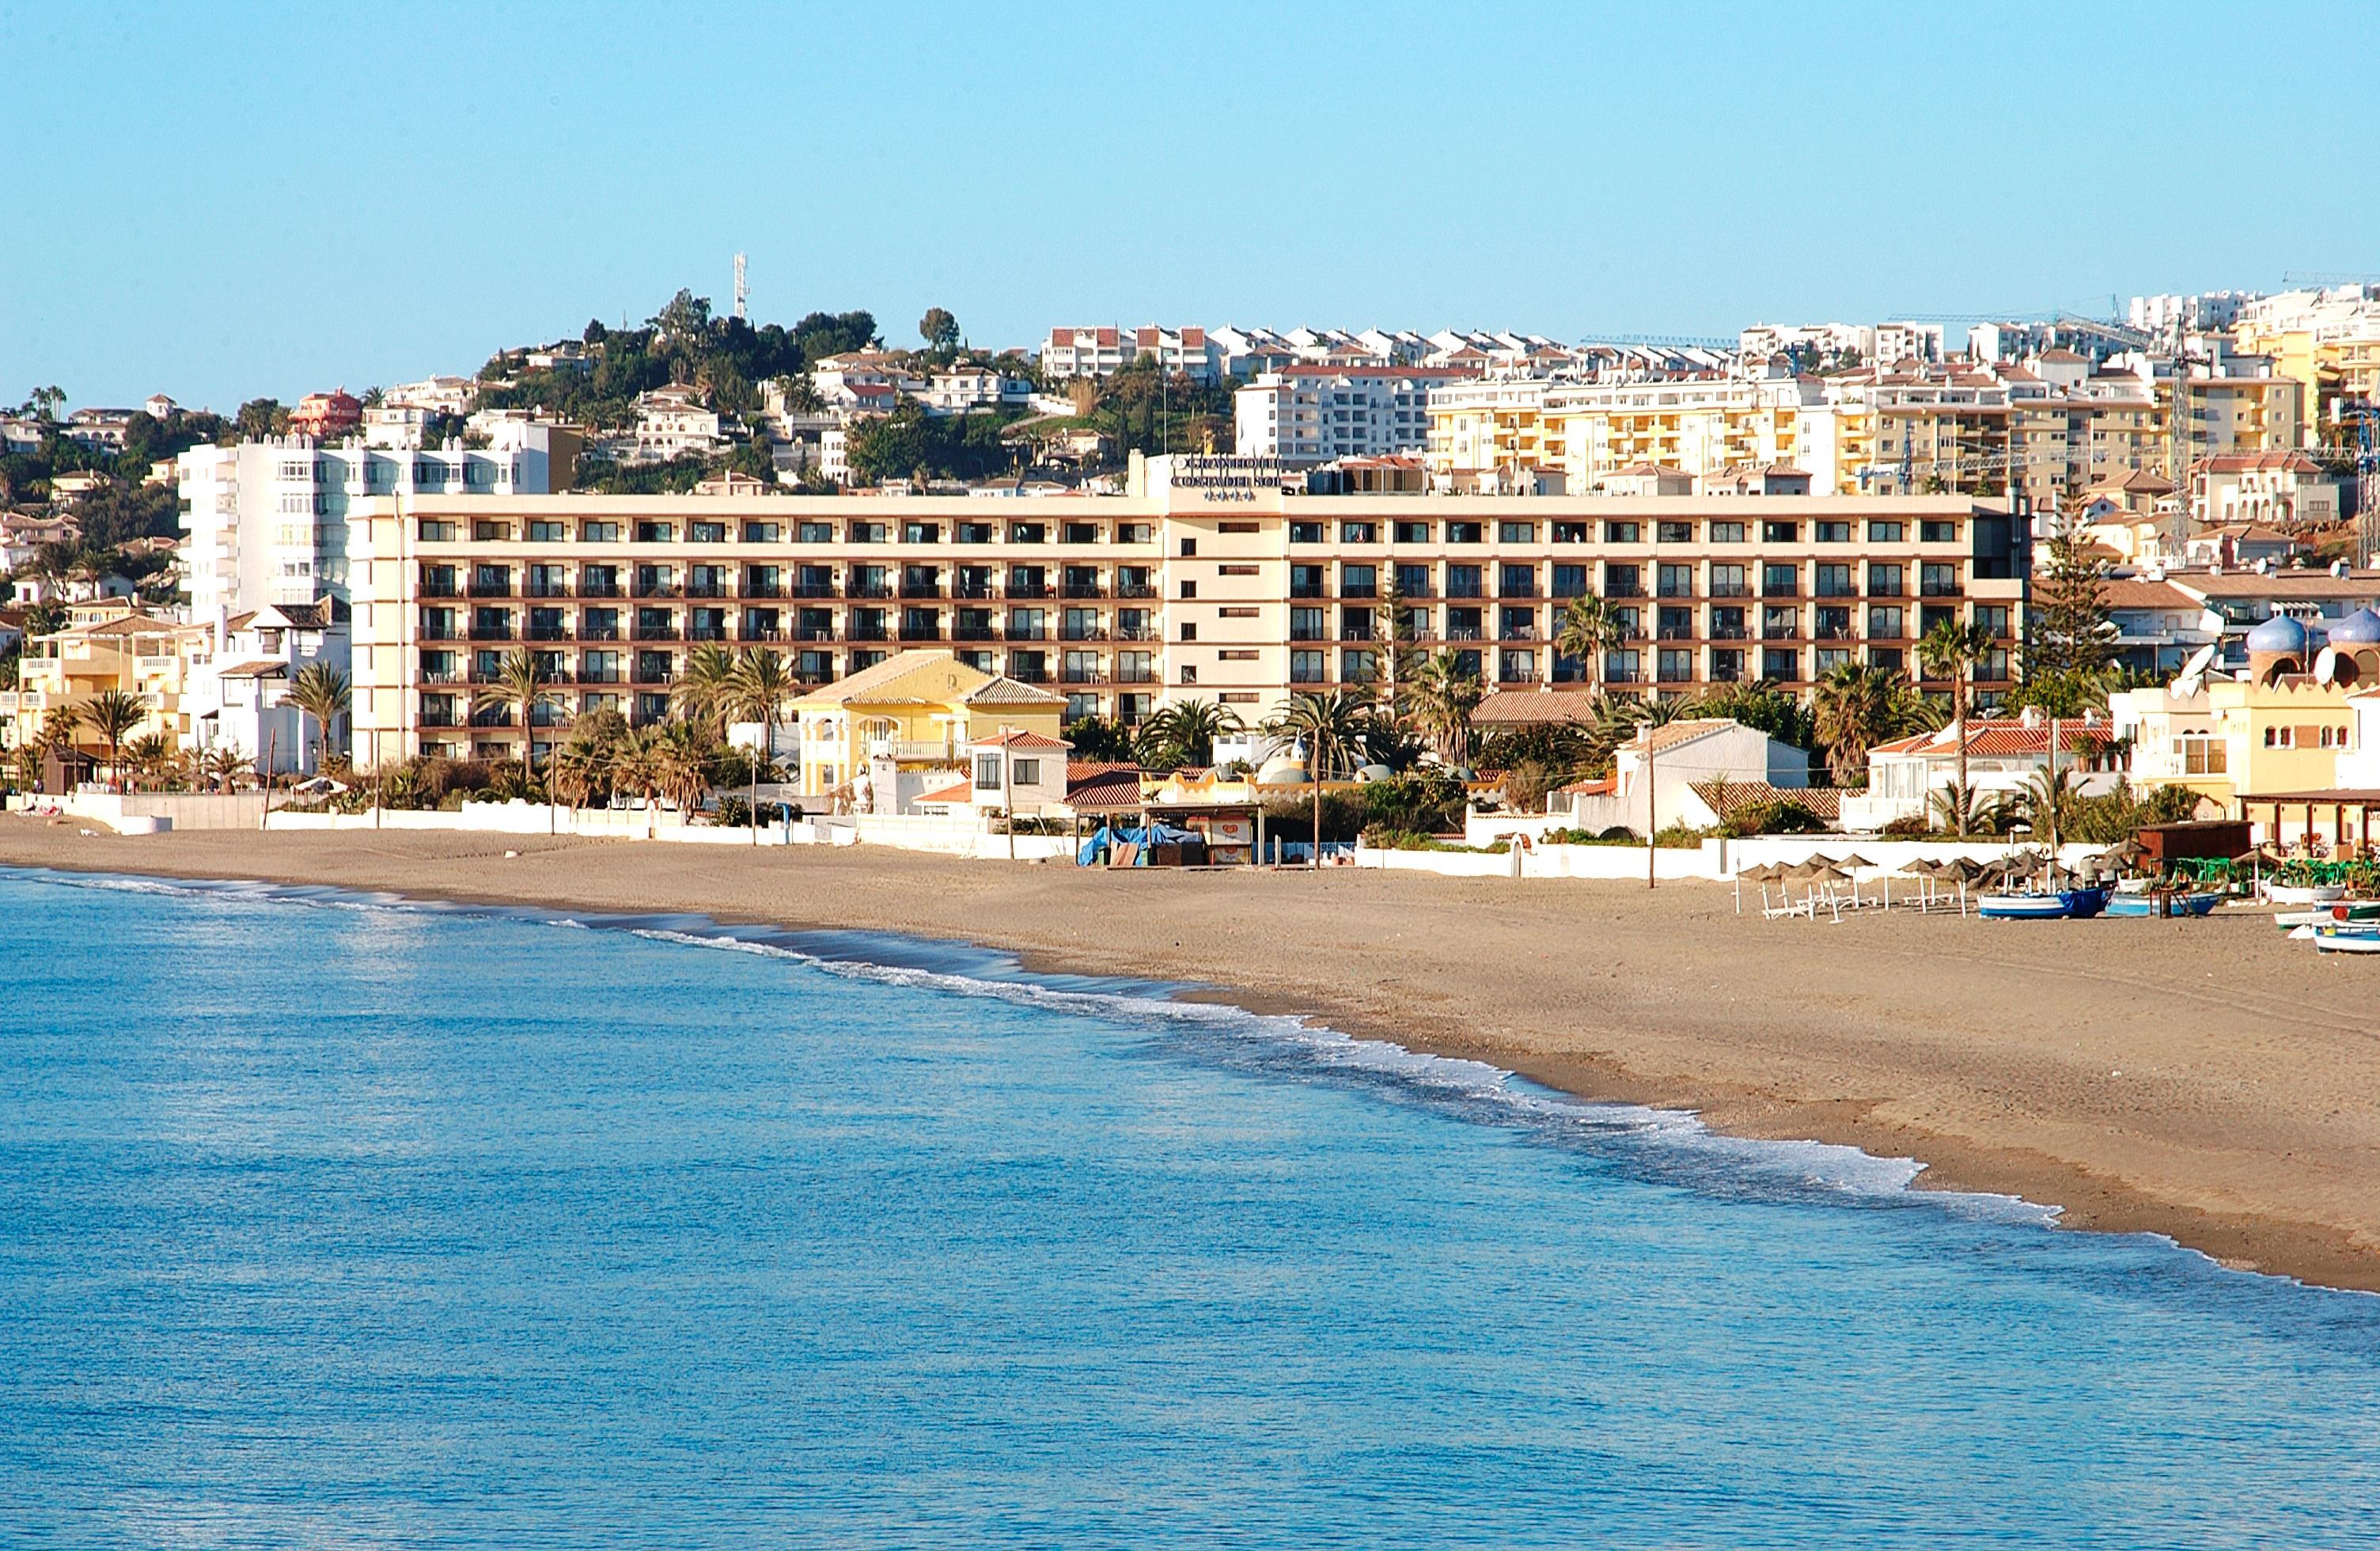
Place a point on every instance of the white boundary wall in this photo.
(1714, 861)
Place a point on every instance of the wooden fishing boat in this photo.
(2050, 905)
(2165, 902)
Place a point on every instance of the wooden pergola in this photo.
(2337, 803)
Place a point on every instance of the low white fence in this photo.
(1713, 860)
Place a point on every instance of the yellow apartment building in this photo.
(107, 645)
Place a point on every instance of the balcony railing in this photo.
(660, 589)
(814, 589)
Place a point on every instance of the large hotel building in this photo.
(1205, 581)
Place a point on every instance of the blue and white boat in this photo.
(2048, 904)
(2164, 903)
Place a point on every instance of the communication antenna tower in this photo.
(743, 293)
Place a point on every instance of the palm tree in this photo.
(112, 714)
(1184, 734)
(1589, 627)
(573, 774)
(520, 679)
(1444, 693)
(703, 690)
(680, 766)
(222, 764)
(758, 692)
(1855, 708)
(151, 756)
(320, 691)
(1950, 650)
(59, 726)
(638, 766)
(1334, 728)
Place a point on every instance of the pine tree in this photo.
(2068, 632)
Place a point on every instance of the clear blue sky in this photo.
(226, 201)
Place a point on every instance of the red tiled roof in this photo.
(1013, 739)
(1532, 707)
(1987, 736)
(1102, 785)
(956, 793)
(1725, 797)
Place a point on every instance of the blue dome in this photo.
(2280, 635)
(2361, 628)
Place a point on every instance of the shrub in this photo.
(733, 812)
(1909, 826)
(1783, 816)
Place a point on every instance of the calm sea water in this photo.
(328, 1222)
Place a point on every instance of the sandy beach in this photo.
(2205, 1080)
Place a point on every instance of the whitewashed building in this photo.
(1311, 415)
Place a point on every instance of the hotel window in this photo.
(1358, 533)
(1831, 658)
(1993, 618)
(1834, 533)
(973, 533)
(1936, 579)
(1780, 581)
(1570, 581)
(1310, 625)
(1305, 533)
(1885, 581)
(1624, 581)
(1411, 532)
(1779, 532)
(1309, 667)
(1674, 532)
(1463, 532)
(1884, 532)
(1675, 665)
(1516, 581)
(1357, 581)
(1624, 533)
(492, 531)
(1027, 625)
(1358, 665)
(1780, 622)
(1517, 625)
(706, 532)
(1674, 624)
(815, 533)
(1239, 527)
(436, 532)
(1133, 532)
(1236, 654)
(1463, 581)
(1571, 532)
(546, 533)
(1621, 665)
(1413, 580)
(1073, 533)
(1885, 622)
(1516, 533)
(760, 532)
(1729, 581)
(1782, 663)
(656, 533)
(1939, 532)
(921, 533)
(1726, 665)
(1834, 581)
(1189, 548)
(1517, 667)
(1190, 674)
(870, 533)
(1893, 659)
(1675, 581)
(1727, 623)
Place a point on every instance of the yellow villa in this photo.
(106, 645)
(914, 712)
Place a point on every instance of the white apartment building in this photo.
(266, 521)
(1881, 343)
(965, 389)
(1310, 415)
(1103, 352)
(673, 422)
(2205, 311)
(445, 396)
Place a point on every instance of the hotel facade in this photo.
(1206, 582)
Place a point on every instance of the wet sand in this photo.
(2206, 1080)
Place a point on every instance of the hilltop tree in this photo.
(686, 315)
(939, 329)
(260, 418)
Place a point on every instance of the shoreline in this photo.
(1469, 969)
